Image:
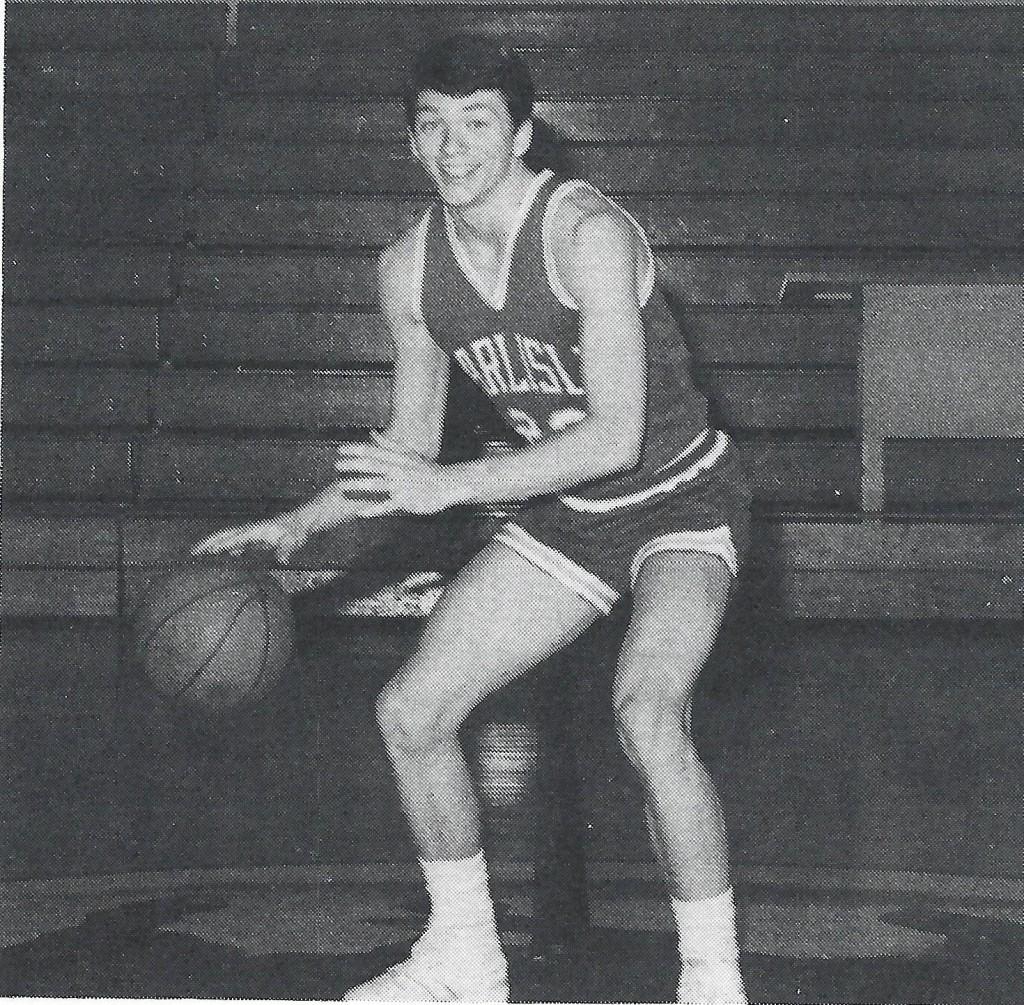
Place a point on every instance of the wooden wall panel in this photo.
(79, 335)
(59, 592)
(116, 25)
(315, 338)
(283, 26)
(71, 396)
(850, 221)
(826, 74)
(243, 471)
(126, 274)
(310, 402)
(127, 72)
(623, 168)
(892, 122)
(75, 467)
(277, 280)
(67, 541)
(802, 474)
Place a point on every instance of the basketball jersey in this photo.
(521, 343)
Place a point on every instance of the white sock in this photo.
(707, 928)
(460, 898)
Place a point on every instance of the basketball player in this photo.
(543, 291)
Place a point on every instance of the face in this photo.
(467, 144)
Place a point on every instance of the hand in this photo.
(281, 535)
(409, 482)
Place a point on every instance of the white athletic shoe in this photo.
(711, 982)
(428, 975)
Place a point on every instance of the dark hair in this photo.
(471, 61)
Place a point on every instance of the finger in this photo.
(379, 509)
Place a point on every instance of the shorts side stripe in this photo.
(591, 588)
(717, 541)
(581, 505)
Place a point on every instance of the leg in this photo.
(679, 602)
(498, 619)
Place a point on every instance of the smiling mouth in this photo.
(456, 175)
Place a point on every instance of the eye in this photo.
(426, 125)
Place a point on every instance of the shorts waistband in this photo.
(698, 456)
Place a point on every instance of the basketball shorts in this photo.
(598, 555)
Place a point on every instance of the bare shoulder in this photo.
(402, 254)
(585, 223)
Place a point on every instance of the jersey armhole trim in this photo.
(562, 295)
(419, 261)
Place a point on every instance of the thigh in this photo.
(498, 618)
(679, 600)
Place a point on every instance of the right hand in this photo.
(281, 536)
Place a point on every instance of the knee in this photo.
(652, 722)
(409, 725)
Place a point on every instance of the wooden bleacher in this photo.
(191, 222)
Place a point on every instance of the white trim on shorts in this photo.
(717, 542)
(669, 484)
(560, 567)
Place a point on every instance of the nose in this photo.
(451, 141)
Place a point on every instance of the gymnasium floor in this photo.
(254, 938)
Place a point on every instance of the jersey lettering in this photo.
(557, 363)
(490, 366)
(547, 381)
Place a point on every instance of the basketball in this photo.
(213, 638)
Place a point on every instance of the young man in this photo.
(543, 291)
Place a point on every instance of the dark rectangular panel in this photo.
(224, 280)
(126, 274)
(692, 73)
(305, 401)
(853, 220)
(763, 335)
(954, 475)
(59, 592)
(800, 474)
(782, 399)
(84, 216)
(70, 396)
(284, 26)
(698, 168)
(249, 471)
(301, 220)
(114, 25)
(79, 335)
(60, 541)
(141, 71)
(290, 168)
(320, 338)
(899, 595)
(77, 467)
(99, 162)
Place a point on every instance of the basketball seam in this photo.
(143, 642)
(260, 683)
(215, 649)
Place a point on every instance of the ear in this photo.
(522, 139)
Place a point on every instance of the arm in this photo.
(417, 418)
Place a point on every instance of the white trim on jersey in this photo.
(686, 475)
(420, 259)
(495, 297)
(717, 542)
(583, 583)
(645, 282)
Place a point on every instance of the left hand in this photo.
(410, 482)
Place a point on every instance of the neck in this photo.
(493, 217)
